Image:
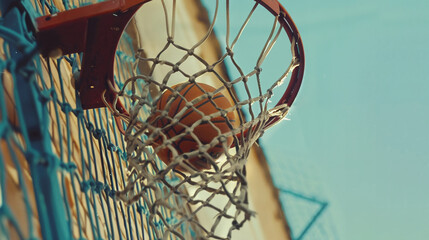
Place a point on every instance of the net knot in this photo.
(65, 107)
(112, 147)
(78, 112)
(190, 51)
(85, 185)
(191, 79)
(209, 68)
(205, 119)
(98, 187)
(98, 133)
(69, 167)
(90, 127)
(175, 68)
(229, 52)
(109, 192)
(236, 224)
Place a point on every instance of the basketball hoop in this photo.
(211, 164)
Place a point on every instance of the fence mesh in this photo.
(81, 152)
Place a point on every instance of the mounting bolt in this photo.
(55, 53)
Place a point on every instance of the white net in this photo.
(200, 114)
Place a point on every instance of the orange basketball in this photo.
(205, 131)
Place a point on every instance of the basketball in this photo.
(205, 131)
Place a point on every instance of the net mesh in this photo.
(163, 78)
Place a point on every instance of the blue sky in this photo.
(358, 134)
(361, 117)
